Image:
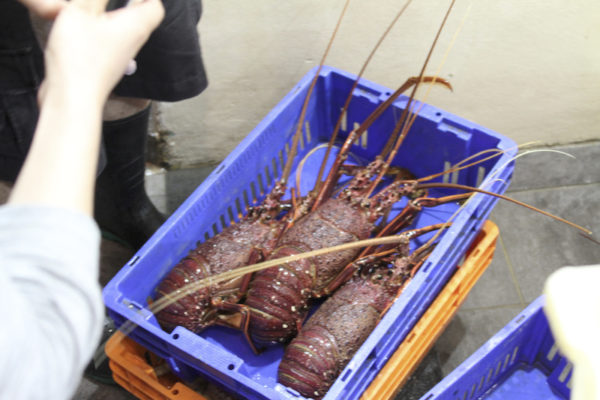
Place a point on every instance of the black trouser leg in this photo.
(122, 206)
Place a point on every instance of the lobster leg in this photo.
(410, 265)
(347, 273)
(419, 256)
(352, 268)
(408, 213)
(237, 317)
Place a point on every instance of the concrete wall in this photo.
(527, 69)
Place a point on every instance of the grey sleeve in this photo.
(51, 306)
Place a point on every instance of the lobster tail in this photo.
(315, 358)
(278, 298)
(190, 310)
(308, 364)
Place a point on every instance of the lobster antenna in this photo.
(459, 166)
(590, 238)
(405, 120)
(454, 37)
(209, 281)
(288, 165)
(354, 134)
(473, 189)
(488, 180)
(458, 197)
(406, 216)
(407, 111)
(527, 153)
(410, 234)
(354, 86)
(303, 161)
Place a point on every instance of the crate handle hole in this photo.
(346, 375)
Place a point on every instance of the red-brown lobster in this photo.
(245, 242)
(241, 244)
(237, 245)
(329, 339)
(277, 299)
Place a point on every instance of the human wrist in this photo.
(74, 98)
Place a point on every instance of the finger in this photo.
(151, 12)
(140, 17)
(46, 9)
(52, 8)
(92, 6)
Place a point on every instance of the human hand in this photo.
(47, 9)
(89, 49)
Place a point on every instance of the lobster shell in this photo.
(329, 339)
(231, 249)
(278, 296)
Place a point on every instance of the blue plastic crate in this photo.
(519, 362)
(436, 140)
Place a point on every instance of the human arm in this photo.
(49, 245)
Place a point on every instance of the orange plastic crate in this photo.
(144, 374)
(130, 362)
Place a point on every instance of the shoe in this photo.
(122, 206)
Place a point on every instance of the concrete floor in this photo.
(530, 247)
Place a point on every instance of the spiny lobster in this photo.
(331, 336)
(277, 299)
(243, 243)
